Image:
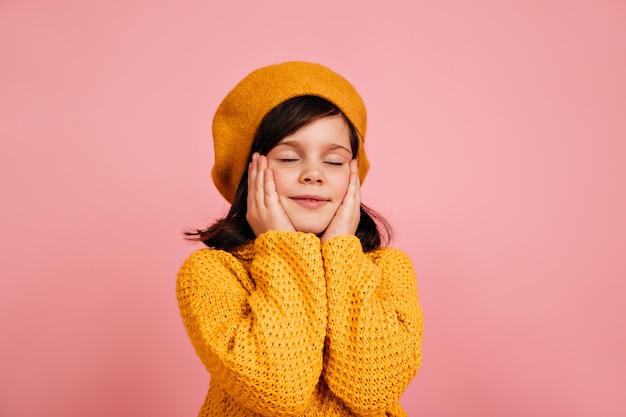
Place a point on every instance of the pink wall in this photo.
(497, 137)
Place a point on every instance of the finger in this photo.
(357, 183)
(256, 197)
(253, 173)
(259, 180)
(353, 193)
(275, 209)
(269, 187)
(272, 201)
(260, 172)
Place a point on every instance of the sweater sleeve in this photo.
(375, 325)
(260, 334)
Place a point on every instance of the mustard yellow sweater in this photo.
(288, 326)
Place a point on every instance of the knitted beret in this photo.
(239, 115)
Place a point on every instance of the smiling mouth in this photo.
(310, 201)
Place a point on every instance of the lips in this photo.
(310, 201)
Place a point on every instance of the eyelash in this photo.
(289, 160)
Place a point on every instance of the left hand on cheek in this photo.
(348, 215)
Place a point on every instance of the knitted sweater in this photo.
(288, 326)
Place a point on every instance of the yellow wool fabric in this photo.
(239, 115)
(288, 326)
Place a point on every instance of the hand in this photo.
(264, 209)
(348, 215)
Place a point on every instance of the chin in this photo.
(305, 228)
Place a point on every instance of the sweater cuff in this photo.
(273, 239)
(346, 265)
(278, 251)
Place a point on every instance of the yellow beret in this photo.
(239, 115)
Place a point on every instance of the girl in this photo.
(295, 308)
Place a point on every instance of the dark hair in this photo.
(233, 229)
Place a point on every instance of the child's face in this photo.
(311, 172)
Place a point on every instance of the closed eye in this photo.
(334, 163)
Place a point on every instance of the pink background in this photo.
(497, 137)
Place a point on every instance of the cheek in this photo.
(342, 181)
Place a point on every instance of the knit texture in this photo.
(288, 326)
(239, 115)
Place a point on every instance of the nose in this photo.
(311, 173)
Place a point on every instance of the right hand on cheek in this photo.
(265, 212)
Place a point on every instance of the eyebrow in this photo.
(296, 144)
